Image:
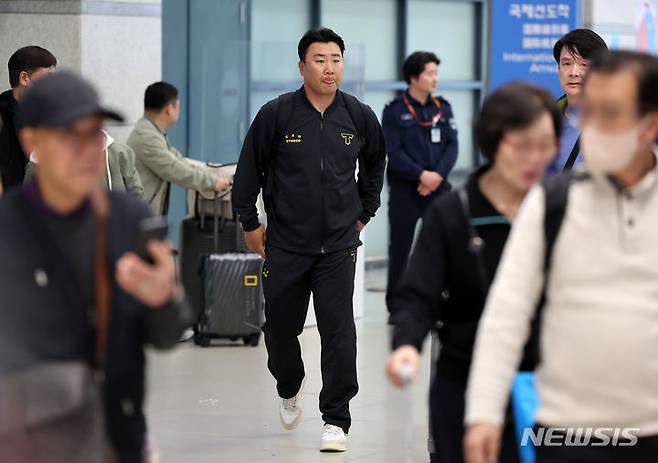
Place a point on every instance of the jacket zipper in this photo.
(321, 185)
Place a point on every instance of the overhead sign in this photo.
(522, 38)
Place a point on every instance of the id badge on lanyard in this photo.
(435, 132)
(435, 135)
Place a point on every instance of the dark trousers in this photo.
(645, 451)
(288, 281)
(405, 208)
(447, 416)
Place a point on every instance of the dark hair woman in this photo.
(447, 280)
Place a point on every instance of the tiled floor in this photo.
(219, 405)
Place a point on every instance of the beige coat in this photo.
(160, 164)
(120, 172)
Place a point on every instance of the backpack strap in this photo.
(475, 242)
(285, 107)
(357, 114)
(556, 196)
(571, 160)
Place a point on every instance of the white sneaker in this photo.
(290, 410)
(334, 439)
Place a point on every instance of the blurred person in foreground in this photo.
(518, 131)
(78, 305)
(598, 377)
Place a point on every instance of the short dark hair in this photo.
(415, 63)
(159, 95)
(584, 42)
(643, 65)
(511, 107)
(323, 35)
(28, 59)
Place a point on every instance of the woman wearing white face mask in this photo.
(599, 341)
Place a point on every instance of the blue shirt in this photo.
(570, 133)
(409, 145)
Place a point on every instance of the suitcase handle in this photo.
(217, 225)
(198, 213)
(215, 228)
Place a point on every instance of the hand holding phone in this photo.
(153, 228)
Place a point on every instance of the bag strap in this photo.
(102, 281)
(575, 151)
(357, 114)
(475, 242)
(61, 270)
(556, 194)
(285, 108)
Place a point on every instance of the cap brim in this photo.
(109, 114)
(71, 117)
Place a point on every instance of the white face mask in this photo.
(609, 153)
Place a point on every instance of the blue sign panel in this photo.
(522, 37)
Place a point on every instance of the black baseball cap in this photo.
(59, 100)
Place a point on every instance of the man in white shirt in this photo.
(598, 377)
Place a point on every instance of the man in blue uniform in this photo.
(421, 141)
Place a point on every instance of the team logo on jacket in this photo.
(347, 138)
(292, 138)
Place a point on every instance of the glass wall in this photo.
(372, 25)
(448, 29)
(275, 31)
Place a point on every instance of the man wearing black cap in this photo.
(72, 289)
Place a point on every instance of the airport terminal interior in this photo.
(227, 58)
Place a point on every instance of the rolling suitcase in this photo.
(201, 235)
(233, 298)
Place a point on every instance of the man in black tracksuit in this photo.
(303, 150)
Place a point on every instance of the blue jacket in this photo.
(409, 146)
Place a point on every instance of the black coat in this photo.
(12, 157)
(45, 322)
(315, 199)
(442, 283)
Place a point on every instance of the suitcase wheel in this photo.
(201, 340)
(252, 340)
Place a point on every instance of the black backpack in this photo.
(284, 112)
(556, 194)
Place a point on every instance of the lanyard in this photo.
(420, 122)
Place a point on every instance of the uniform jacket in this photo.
(409, 145)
